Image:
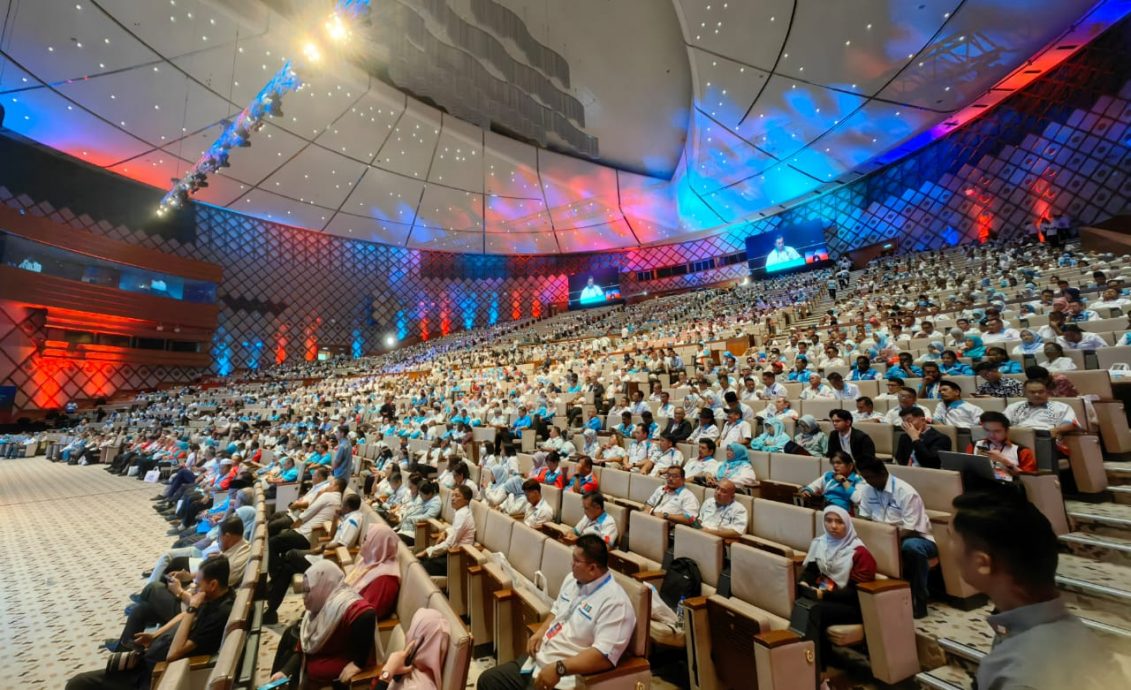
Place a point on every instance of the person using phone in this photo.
(420, 664)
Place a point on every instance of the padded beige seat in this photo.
(648, 542)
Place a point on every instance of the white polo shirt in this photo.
(695, 467)
(536, 516)
(639, 452)
(665, 459)
(1048, 416)
(960, 414)
(596, 615)
(604, 527)
(735, 433)
(679, 502)
(731, 516)
(462, 531)
(898, 504)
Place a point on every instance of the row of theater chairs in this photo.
(235, 663)
(508, 598)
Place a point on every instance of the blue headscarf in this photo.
(1034, 347)
(730, 467)
(979, 349)
(772, 439)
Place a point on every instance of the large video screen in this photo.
(594, 288)
(792, 246)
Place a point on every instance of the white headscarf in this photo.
(834, 556)
(327, 599)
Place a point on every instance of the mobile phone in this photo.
(275, 683)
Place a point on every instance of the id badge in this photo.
(554, 630)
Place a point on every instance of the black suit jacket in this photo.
(926, 448)
(860, 444)
(680, 432)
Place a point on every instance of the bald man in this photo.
(721, 515)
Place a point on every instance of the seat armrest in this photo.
(695, 603)
(878, 586)
(366, 676)
(646, 575)
(628, 665)
(503, 594)
(772, 639)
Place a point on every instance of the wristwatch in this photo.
(560, 668)
(191, 609)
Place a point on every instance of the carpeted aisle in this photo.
(75, 540)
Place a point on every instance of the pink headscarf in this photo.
(432, 633)
(327, 599)
(378, 557)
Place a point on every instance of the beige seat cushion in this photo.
(845, 635)
(765, 619)
(666, 635)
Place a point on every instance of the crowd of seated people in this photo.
(620, 388)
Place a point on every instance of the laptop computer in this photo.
(968, 464)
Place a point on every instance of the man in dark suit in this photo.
(678, 427)
(844, 437)
(920, 444)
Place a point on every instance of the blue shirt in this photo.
(868, 374)
(1010, 367)
(899, 371)
(343, 460)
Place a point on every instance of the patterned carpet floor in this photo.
(75, 541)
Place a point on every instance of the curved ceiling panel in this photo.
(769, 101)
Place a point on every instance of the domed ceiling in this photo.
(522, 126)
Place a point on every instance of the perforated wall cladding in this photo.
(1060, 146)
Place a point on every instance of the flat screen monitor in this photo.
(594, 288)
(798, 246)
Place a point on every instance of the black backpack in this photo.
(681, 580)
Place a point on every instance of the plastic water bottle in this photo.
(679, 614)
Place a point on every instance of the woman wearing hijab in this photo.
(935, 348)
(810, 437)
(429, 635)
(1055, 359)
(1031, 343)
(838, 484)
(737, 467)
(773, 437)
(836, 562)
(508, 496)
(973, 347)
(376, 576)
(335, 634)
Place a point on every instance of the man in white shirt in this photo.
(595, 520)
(704, 466)
(640, 451)
(537, 511)
(884, 498)
(673, 501)
(907, 398)
(665, 456)
(953, 410)
(1111, 300)
(996, 332)
(735, 429)
(462, 531)
(706, 428)
(1076, 338)
(866, 411)
(782, 256)
(721, 515)
(1038, 412)
(841, 389)
(590, 627)
(771, 388)
(321, 511)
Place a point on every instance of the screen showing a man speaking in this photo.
(594, 288)
(790, 247)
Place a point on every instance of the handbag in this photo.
(153, 476)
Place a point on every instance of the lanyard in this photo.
(573, 606)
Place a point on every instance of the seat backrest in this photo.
(938, 488)
(458, 659)
(1108, 356)
(241, 607)
(525, 463)
(883, 435)
(782, 523)
(882, 541)
(763, 579)
(794, 469)
(553, 497)
(648, 535)
(416, 588)
(479, 511)
(497, 536)
(703, 548)
(760, 461)
(557, 562)
(525, 550)
(447, 512)
(950, 432)
(1093, 382)
(641, 487)
(641, 597)
(615, 482)
(223, 675)
(821, 408)
(619, 514)
(572, 509)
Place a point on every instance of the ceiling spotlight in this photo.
(390, 340)
(311, 51)
(336, 29)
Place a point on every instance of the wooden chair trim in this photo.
(772, 639)
(503, 594)
(645, 575)
(629, 665)
(695, 603)
(878, 586)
